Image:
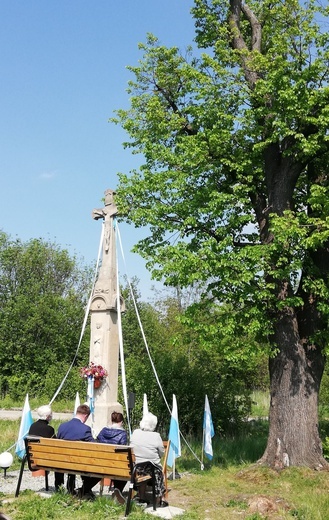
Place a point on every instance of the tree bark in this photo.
(295, 376)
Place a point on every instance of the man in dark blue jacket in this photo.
(77, 430)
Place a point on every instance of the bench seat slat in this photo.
(82, 465)
(82, 468)
(80, 445)
(120, 460)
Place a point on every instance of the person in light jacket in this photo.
(148, 449)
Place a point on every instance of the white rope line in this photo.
(146, 345)
(85, 319)
(122, 358)
(141, 326)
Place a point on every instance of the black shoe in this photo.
(89, 496)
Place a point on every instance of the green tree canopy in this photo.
(43, 292)
(234, 189)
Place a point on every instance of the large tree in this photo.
(234, 189)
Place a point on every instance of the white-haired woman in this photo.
(148, 449)
(41, 427)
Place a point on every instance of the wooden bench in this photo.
(90, 459)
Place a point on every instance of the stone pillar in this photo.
(104, 337)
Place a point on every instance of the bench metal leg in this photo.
(46, 480)
(128, 505)
(153, 491)
(20, 476)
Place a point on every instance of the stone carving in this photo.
(106, 214)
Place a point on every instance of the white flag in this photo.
(174, 437)
(208, 429)
(77, 402)
(24, 428)
(145, 406)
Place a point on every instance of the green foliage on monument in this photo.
(234, 191)
(42, 299)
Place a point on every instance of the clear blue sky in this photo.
(63, 73)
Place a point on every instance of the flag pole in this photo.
(203, 433)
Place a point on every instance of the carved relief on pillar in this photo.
(122, 303)
(99, 303)
(98, 343)
(102, 302)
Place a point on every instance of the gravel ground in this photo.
(8, 485)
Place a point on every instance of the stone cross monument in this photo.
(104, 336)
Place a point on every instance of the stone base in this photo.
(102, 416)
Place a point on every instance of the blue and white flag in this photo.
(24, 428)
(90, 394)
(208, 430)
(174, 437)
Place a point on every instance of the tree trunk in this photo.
(295, 376)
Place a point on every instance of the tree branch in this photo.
(239, 43)
(256, 29)
(188, 128)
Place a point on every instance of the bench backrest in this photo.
(84, 458)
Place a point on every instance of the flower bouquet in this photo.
(97, 372)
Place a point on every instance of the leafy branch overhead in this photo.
(211, 127)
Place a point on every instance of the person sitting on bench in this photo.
(42, 428)
(115, 434)
(148, 449)
(77, 430)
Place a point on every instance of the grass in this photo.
(226, 489)
(260, 403)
